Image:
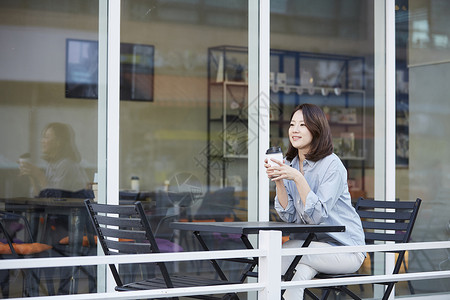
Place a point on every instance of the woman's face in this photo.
(299, 135)
(49, 143)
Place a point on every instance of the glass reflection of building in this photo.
(185, 97)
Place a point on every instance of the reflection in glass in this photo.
(326, 50)
(189, 145)
(422, 129)
(48, 153)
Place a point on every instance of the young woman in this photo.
(311, 188)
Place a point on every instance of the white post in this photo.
(269, 267)
(258, 107)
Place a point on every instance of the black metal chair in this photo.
(382, 221)
(133, 234)
(218, 206)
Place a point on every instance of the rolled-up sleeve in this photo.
(319, 204)
(287, 214)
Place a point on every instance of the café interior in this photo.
(176, 121)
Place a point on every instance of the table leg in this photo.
(251, 264)
(76, 231)
(291, 270)
(213, 261)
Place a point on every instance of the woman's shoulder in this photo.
(332, 160)
(329, 158)
(66, 162)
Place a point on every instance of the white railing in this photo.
(269, 281)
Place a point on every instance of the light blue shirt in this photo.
(328, 202)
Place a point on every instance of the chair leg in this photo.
(349, 292)
(4, 283)
(31, 283)
(48, 274)
(311, 294)
(325, 294)
(411, 288)
(388, 291)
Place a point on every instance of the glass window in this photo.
(48, 116)
(323, 53)
(422, 135)
(187, 142)
(332, 68)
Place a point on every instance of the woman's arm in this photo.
(302, 186)
(321, 202)
(37, 176)
(282, 171)
(282, 195)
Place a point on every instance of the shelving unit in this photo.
(333, 82)
(227, 116)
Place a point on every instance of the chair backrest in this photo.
(388, 221)
(218, 205)
(124, 229)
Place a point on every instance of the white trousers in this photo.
(310, 265)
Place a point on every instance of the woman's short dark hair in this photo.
(317, 123)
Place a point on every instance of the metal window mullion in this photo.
(258, 120)
(379, 119)
(111, 118)
(113, 102)
(390, 117)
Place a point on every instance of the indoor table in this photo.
(73, 208)
(246, 228)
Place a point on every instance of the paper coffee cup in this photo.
(24, 158)
(275, 153)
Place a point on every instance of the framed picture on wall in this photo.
(136, 70)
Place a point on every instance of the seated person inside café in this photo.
(63, 177)
(63, 170)
(311, 188)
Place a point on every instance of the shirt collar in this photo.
(296, 161)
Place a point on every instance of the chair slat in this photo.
(122, 222)
(129, 247)
(378, 236)
(178, 281)
(114, 209)
(385, 225)
(124, 234)
(369, 203)
(399, 215)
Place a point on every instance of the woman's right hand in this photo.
(36, 175)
